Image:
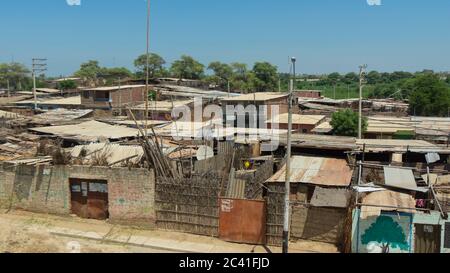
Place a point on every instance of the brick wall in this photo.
(46, 190)
(129, 96)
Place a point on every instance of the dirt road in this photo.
(25, 232)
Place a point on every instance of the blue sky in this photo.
(325, 35)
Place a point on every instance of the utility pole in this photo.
(147, 67)
(229, 87)
(39, 66)
(334, 90)
(7, 87)
(362, 75)
(288, 167)
(120, 96)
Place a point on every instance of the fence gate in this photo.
(242, 221)
(428, 239)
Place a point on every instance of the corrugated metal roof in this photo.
(263, 96)
(297, 119)
(89, 131)
(164, 106)
(114, 153)
(317, 170)
(113, 88)
(76, 100)
(391, 199)
(236, 189)
(8, 115)
(62, 115)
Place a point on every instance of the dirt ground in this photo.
(25, 232)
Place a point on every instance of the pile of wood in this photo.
(154, 153)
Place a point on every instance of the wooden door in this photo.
(427, 239)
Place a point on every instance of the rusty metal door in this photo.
(428, 239)
(242, 221)
(89, 198)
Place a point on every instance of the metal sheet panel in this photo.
(332, 198)
(401, 178)
(242, 221)
(316, 170)
(236, 189)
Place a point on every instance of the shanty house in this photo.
(267, 105)
(319, 196)
(73, 102)
(300, 123)
(312, 94)
(397, 212)
(113, 97)
(162, 110)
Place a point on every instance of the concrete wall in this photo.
(45, 189)
(433, 218)
(367, 234)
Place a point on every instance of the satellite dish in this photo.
(204, 152)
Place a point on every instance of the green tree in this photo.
(350, 78)
(430, 96)
(187, 68)
(334, 78)
(155, 65)
(222, 73)
(264, 77)
(240, 71)
(221, 70)
(67, 85)
(90, 72)
(373, 77)
(16, 74)
(113, 74)
(345, 123)
(386, 232)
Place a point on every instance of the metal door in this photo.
(427, 239)
(242, 221)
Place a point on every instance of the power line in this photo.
(39, 65)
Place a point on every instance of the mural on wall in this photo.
(387, 233)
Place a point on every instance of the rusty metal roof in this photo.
(323, 171)
(395, 200)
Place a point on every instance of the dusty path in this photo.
(24, 232)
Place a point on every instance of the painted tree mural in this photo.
(387, 233)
